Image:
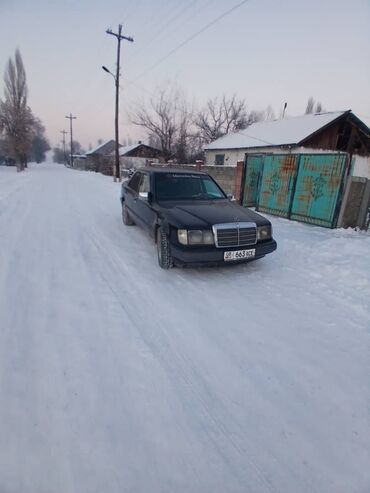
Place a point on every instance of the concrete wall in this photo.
(361, 166)
(133, 162)
(355, 203)
(232, 156)
(105, 164)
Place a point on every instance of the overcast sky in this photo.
(267, 51)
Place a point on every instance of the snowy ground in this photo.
(116, 376)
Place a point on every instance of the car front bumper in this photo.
(212, 255)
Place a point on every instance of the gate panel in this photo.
(278, 179)
(253, 171)
(317, 189)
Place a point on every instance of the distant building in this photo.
(139, 155)
(102, 158)
(103, 149)
(330, 131)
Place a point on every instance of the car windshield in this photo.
(172, 186)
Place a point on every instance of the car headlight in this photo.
(264, 232)
(182, 236)
(208, 238)
(195, 237)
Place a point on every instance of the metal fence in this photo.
(303, 187)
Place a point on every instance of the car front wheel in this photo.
(164, 250)
(126, 216)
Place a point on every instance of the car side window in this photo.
(145, 184)
(212, 189)
(134, 183)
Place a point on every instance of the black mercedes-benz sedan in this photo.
(192, 220)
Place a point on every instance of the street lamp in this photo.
(108, 71)
(119, 37)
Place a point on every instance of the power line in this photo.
(255, 138)
(160, 31)
(190, 38)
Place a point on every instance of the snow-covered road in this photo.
(116, 376)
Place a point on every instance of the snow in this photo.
(117, 376)
(125, 149)
(288, 131)
(100, 147)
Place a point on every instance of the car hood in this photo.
(205, 214)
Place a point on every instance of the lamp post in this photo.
(119, 37)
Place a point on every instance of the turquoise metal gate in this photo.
(277, 184)
(253, 172)
(318, 187)
(304, 187)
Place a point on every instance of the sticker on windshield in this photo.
(183, 175)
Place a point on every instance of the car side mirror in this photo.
(231, 197)
(143, 196)
(150, 197)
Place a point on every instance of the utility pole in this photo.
(70, 118)
(64, 145)
(119, 37)
(285, 105)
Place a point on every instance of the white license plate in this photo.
(239, 254)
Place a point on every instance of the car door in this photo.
(143, 206)
(131, 193)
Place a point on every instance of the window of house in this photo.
(220, 159)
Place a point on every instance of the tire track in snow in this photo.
(177, 363)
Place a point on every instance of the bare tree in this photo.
(154, 141)
(221, 116)
(310, 105)
(58, 155)
(58, 152)
(269, 113)
(39, 143)
(255, 116)
(16, 119)
(319, 107)
(311, 108)
(160, 118)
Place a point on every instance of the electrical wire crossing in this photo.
(190, 38)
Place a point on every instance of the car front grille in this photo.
(231, 235)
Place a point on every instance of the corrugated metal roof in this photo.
(289, 131)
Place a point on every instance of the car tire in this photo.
(126, 218)
(164, 250)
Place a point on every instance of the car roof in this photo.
(168, 170)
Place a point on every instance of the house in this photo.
(99, 159)
(138, 155)
(330, 132)
(103, 149)
(102, 158)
